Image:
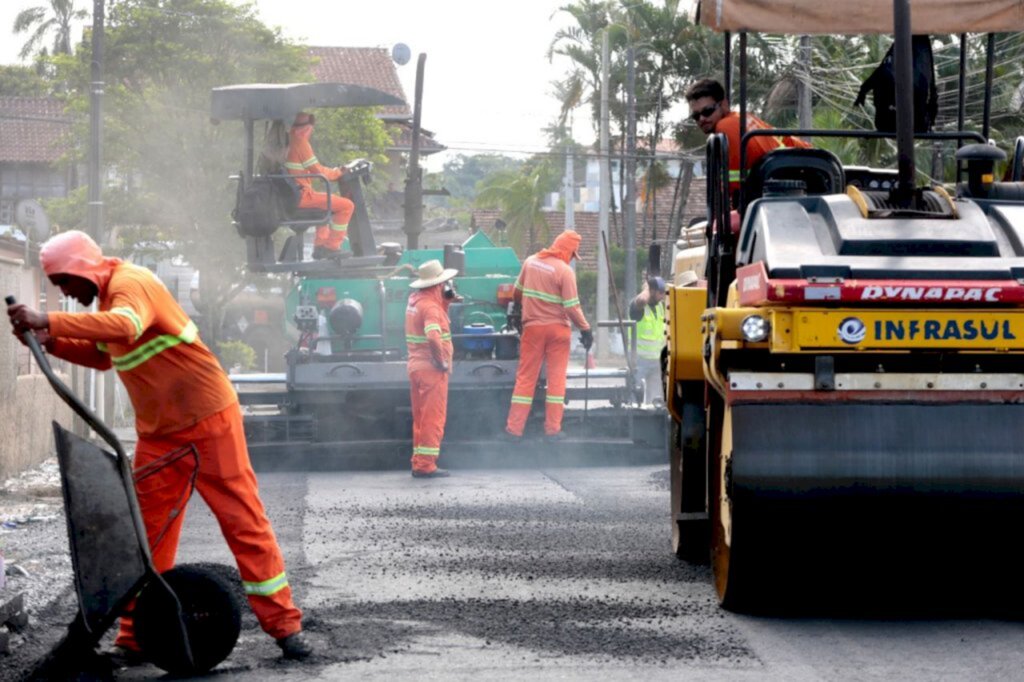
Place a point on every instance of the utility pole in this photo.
(605, 196)
(806, 121)
(629, 201)
(568, 187)
(96, 124)
(95, 394)
(413, 197)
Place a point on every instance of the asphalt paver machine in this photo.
(846, 388)
(344, 398)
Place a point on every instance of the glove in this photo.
(515, 318)
(586, 338)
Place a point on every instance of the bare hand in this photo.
(24, 318)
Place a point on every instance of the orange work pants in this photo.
(333, 235)
(227, 483)
(428, 389)
(546, 343)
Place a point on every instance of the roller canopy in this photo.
(798, 17)
(275, 101)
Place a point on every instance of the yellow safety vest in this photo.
(650, 332)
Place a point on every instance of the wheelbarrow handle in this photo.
(101, 429)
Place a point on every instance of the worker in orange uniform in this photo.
(709, 109)
(429, 338)
(182, 398)
(546, 289)
(302, 161)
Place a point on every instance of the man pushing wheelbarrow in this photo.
(188, 421)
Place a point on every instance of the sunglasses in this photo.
(704, 113)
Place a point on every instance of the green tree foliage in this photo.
(462, 174)
(236, 354)
(23, 81)
(520, 196)
(172, 166)
(42, 20)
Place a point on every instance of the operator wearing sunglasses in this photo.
(709, 108)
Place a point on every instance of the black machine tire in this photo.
(211, 613)
(690, 529)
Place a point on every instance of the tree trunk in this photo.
(683, 187)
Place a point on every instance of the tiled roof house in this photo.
(372, 67)
(33, 142)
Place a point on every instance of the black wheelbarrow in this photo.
(186, 620)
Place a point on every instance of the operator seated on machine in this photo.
(709, 109)
(302, 161)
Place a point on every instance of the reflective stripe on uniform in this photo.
(572, 302)
(267, 587)
(131, 315)
(734, 176)
(424, 450)
(155, 346)
(432, 328)
(559, 399)
(413, 338)
(543, 296)
(101, 346)
(293, 166)
(522, 399)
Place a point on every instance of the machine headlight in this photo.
(755, 328)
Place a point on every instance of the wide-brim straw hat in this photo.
(432, 273)
(687, 278)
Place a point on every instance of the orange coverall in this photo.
(547, 288)
(757, 146)
(181, 396)
(301, 160)
(429, 338)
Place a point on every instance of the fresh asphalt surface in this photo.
(562, 573)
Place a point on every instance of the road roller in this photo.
(845, 380)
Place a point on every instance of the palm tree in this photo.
(41, 20)
(520, 196)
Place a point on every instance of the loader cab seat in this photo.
(818, 169)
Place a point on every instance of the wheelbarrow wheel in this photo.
(211, 614)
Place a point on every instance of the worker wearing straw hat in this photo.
(429, 338)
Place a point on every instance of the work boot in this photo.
(323, 253)
(436, 473)
(295, 647)
(506, 437)
(123, 657)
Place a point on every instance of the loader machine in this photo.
(846, 384)
(344, 398)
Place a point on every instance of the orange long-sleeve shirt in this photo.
(427, 330)
(172, 378)
(757, 146)
(547, 286)
(302, 161)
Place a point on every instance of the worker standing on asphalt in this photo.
(302, 161)
(182, 399)
(648, 310)
(546, 289)
(429, 338)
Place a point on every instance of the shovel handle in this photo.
(65, 393)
